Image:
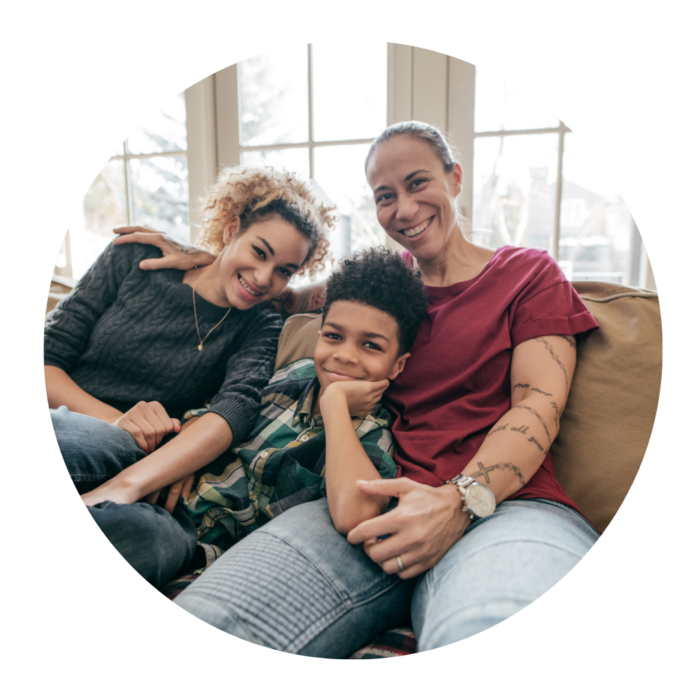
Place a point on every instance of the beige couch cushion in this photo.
(608, 419)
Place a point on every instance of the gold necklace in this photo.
(200, 347)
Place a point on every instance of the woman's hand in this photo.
(177, 255)
(149, 423)
(361, 396)
(424, 525)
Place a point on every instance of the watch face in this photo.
(480, 500)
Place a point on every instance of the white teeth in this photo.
(411, 232)
(247, 288)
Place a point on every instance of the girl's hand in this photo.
(361, 396)
(149, 423)
(176, 254)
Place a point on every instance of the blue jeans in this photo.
(297, 585)
(158, 545)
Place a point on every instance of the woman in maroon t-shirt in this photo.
(481, 396)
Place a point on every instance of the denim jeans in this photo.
(158, 545)
(297, 585)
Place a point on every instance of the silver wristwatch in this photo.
(477, 499)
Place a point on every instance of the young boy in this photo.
(321, 425)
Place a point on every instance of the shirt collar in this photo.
(306, 401)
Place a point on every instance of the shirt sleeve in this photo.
(248, 371)
(549, 305)
(69, 325)
(377, 441)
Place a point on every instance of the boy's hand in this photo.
(361, 396)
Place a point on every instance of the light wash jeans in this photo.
(297, 585)
(158, 545)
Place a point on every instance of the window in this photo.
(144, 183)
(534, 186)
(314, 111)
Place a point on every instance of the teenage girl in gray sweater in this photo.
(129, 351)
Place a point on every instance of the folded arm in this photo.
(346, 458)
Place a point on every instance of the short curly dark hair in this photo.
(379, 278)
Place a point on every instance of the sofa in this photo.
(610, 420)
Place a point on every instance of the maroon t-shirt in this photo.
(456, 384)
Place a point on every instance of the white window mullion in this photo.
(227, 125)
(310, 78)
(202, 166)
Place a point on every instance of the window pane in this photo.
(162, 130)
(598, 238)
(514, 190)
(293, 160)
(274, 103)
(349, 89)
(340, 176)
(160, 194)
(527, 97)
(103, 208)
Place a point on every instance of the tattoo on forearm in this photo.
(520, 386)
(553, 404)
(570, 340)
(537, 444)
(539, 418)
(502, 466)
(555, 357)
(497, 430)
(522, 429)
(539, 391)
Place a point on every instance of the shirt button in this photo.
(263, 454)
(304, 438)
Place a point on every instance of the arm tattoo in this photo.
(497, 430)
(539, 418)
(553, 404)
(570, 340)
(555, 357)
(503, 466)
(537, 444)
(520, 386)
(539, 391)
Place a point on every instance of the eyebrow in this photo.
(364, 334)
(408, 177)
(272, 252)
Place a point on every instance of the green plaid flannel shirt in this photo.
(282, 463)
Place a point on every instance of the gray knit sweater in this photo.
(125, 335)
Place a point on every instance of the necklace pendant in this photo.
(199, 347)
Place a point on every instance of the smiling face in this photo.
(357, 342)
(256, 265)
(416, 199)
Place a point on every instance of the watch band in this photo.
(463, 482)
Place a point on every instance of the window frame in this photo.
(201, 162)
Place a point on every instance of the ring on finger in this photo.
(400, 563)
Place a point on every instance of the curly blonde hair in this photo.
(255, 194)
